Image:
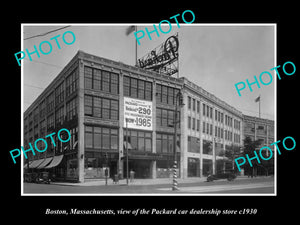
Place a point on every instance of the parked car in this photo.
(223, 174)
(43, 177)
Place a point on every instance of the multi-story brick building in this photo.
(92, 96)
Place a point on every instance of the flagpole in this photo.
(259, 107)
(178, 57)
(136, 48)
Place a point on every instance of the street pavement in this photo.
(189, 186)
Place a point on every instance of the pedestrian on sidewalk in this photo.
(131, 175)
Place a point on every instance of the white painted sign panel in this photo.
(138, 113)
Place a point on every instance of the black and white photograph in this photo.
(139, 112)
(149, 113)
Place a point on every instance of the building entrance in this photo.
(193, 167)
(141, 168)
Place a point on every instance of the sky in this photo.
(213, 56)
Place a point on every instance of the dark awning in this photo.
(55, 161)
(35, 163)
(45, 163)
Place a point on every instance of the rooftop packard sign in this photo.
(166, 54)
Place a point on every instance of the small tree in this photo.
(232, 153)
(249, 148)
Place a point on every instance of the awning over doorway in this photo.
(55, 161)
(45, 163)
(35, 163)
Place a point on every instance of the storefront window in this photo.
(193, 167)
(207, 167)
(193, 144)
(72, 168)
(101, 138)
(139, 140)
(207, 147)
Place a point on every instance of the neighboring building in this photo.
(210, 128)
(259, 129)
(262, 130)
(91, 97)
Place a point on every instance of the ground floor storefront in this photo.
(144, 165)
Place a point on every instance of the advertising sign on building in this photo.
(138, 113)
(163, 59)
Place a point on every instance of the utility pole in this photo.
(178, 98)
(126, 151)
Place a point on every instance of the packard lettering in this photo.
(170, 53)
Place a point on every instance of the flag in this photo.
(130, 29)
(257, 99)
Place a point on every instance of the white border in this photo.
(146, 24)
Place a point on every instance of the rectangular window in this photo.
(203, 108)
(207, 147)
(165, 117)
(165, 143)
(136, 88)
(171, 98)
(189, 102)
(193, 144)
(216, 112)
(101, 80)
(194, 124)
(88, 139)
(59, 93)
(71, 109)
(88, 77)
(72, 83)
(101, 107)
(189, 122)
(165, 94)
(194, 105)
(198, 106)
(198, 125)
(139, 140)
(158, 143)
(101, 138)
(203, 127)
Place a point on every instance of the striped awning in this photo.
(45, 163)
(55, 161)
(35, 163)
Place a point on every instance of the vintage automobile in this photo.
(43, 177)
(223, 174)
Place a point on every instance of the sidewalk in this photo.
(101, 182)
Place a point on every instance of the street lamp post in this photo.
(126, 151)
(178, 98)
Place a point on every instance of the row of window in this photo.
(165, 117)
(55, 97)
(59, 147)
(101, 138)
(139, 140)
(165, 143)
(101, 80)
(207, 111)
(56, 118)
(137, 88)
(101, 107)
(193, 106)
(165, 94)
